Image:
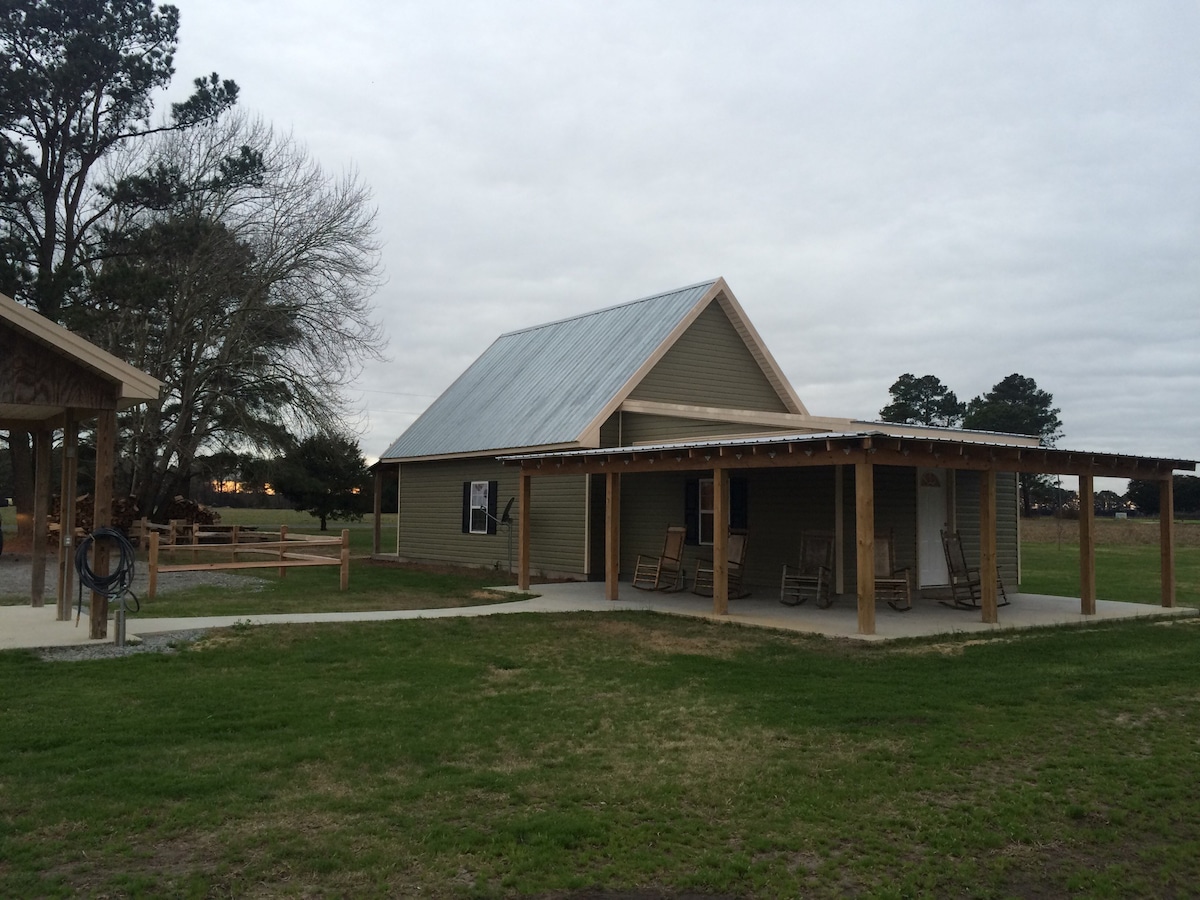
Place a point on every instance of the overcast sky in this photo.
(960, 189)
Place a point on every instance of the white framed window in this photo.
(479, 507)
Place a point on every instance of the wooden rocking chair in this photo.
(891, 584)
(664, 572)
(814, 575)
(965, 582)
(736, 563)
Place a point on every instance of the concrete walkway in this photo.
(23, 626)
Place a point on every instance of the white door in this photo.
(933, 513)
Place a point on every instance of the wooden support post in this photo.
(1166, 537)
(864, 533)
(42, 441)
(345, 579)
(283, 531)
(720, 542)
(66, 517)
(988, 574)
(1087, 546)
(524, 498)
(839, 529)
(612, 535)
(195, 539)
(106, 451)
(399, 508)
(153, 563)
(377, 534)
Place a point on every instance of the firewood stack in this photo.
(124, 512)
(190, 511)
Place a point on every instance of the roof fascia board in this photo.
(721, 414)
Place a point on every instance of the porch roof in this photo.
(954, 450)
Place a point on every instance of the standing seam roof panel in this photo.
(546, 384)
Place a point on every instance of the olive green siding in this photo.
(966, 514)
(610, 431)
(431, 517)
(709, 365)
(638, 428)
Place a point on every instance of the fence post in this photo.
(345, 558)
(153, 539)
(282, 543)
(195, 541)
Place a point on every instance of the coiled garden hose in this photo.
(116, 583)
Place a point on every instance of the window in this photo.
(479, 507)
(699, 502)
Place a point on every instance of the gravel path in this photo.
(16, 574)
(162, 642)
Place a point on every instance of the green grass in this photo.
(543, 755)
(373, 586)
(1123, 572)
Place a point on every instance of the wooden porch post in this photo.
(864, 533)
(988, 575)
(1087, 546)
(524, 496)
(378, 533)
(42, 441)
(720, 542)
(66, 518)
(106, 450)
(612, 535)
(1166, 537)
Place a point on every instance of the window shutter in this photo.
(493, 491)
(739, 503)
(466, 508)
(691, 510)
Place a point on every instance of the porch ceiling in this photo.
(878, 448)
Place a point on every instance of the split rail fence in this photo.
(284, 550)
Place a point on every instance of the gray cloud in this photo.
(967, 190)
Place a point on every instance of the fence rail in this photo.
(285, 550)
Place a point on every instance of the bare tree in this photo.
(239, 273)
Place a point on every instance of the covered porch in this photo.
(861, 454)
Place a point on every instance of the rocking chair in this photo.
(813, 577)
(735, 552)
(664, 572)
(965, 582)
(891, 584)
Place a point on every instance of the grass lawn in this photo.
(545, 756)
(1127, 560)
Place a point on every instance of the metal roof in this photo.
(545, 385)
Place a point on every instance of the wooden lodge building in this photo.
(574, 445)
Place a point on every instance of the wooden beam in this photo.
(988, 574)
(1087, 546)
(524, 497)
(864, 532)
(612, 535)
(343, 560)
(42, 441)
(1166, 537)
(106, 451)
(720, 542)
(66, 519)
